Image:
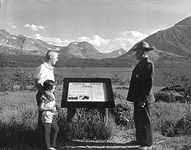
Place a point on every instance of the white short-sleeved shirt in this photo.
(49, 103)
(45, 72)
(47, 116)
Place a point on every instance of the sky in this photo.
(107, 24)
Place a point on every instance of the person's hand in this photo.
(141, 104)
(53, 109)
(49, 96)
(58, 107)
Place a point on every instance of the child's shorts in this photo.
(49, 118)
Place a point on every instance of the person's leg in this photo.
(70, 113)
(148, 126)
(138, 125)
(39, 142)
(47, 134)
(145, 132)
(38, 97)
(40, 131)
(56, 130)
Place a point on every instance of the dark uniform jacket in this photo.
(140, 88)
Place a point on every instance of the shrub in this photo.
(168, 128)
(165, 97)
(63, 125)
(87, 124)
(23, 79)
(177, 128)
(116, 79)
(165, 117)
(183, 125)
(123, 115)
(6, 83)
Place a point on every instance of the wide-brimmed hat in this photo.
(142, 45)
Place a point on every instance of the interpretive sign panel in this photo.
(87, 92)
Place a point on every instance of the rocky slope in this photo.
(172, 45)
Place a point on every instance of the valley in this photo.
(124, 73)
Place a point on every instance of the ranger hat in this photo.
(142, 45)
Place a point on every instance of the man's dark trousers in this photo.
(40, 136)
(143, 124)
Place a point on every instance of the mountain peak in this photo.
(185, 22)
(2, 31)
(74, 43)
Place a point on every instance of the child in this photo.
(50, 113)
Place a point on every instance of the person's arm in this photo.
(40, 76)
(131, 92)
(145, 82)
(58, 107)
(43, 108)
(41, 89)
(39, 85)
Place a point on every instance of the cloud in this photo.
(2, 1)
(34, 27)
(84, 39)
(124, 40)
(133, 34)
(12, 25)
(53, 41)
(127, 39)
(159, 28)
(97, 41)
(121, 42)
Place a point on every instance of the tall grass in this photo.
(18, 122)
(18, 125)
(171, 119)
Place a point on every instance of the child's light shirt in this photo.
(49, 103)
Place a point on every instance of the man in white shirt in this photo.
(44, 72)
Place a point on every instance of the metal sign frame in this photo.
(107, 90)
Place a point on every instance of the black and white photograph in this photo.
(129, 68)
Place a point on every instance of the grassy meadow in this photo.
(125, 73)
(18, 112)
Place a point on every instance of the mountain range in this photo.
(172, 47)
(21, 45)
(85, 50)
